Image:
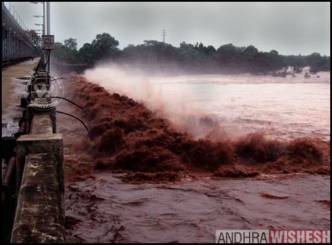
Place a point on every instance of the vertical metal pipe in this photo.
(44, 28)
(44, 18)
(48, 18)
(48, 33)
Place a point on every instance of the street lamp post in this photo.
(48, 39)
(40, 16)
(43, 16)
(38, 24)
(48, 18)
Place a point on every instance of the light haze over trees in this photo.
(196, 58)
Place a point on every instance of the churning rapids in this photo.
(103, 204)
(104, 209)
(285, 108)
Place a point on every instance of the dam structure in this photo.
(32, 157)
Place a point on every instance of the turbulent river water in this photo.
(103, 208)
(284, 108)
(281, 107)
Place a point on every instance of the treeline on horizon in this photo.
(186, 58)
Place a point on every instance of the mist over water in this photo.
(106, 208)
(228, 105)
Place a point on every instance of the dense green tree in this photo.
(104, 45)
(317, 62)
(156, 55)
(71, 43)
(35, 38)
(62, 52)
(86, 53)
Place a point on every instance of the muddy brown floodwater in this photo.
(104, 209)
(138, 178)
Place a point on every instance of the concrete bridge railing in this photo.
(39, 215)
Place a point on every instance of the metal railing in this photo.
(16, 43)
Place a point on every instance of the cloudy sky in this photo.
(290, 28)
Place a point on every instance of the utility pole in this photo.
(44, 19)
(164, 35)
(48, 18)
(48, 33)
(47, 38)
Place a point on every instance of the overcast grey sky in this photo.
(290, 28)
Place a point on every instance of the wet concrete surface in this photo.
(13, 87)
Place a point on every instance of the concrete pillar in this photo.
(40, 212)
